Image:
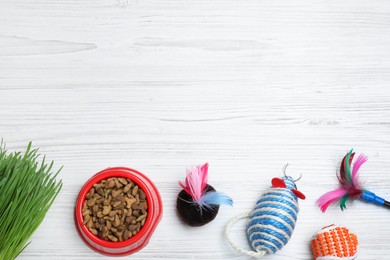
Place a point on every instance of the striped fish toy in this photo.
(272, 222)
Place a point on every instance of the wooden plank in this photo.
(161, 85)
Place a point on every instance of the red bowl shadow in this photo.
(141, 239)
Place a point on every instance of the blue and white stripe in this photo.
(272, 221)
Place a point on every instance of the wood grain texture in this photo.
(159, 85)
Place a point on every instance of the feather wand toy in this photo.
(350, 187)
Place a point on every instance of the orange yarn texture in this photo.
(334, 241)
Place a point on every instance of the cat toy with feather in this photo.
(272, 221)
(198, 203)
(350, 187)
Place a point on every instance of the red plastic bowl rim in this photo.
(110, 173)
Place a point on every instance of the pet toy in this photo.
(334, 243)
(198, 203)
(272, 221)
(350, 187)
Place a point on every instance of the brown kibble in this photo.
(135, 190)
(86, 219)
(109, 218)
(90, 223)
(87, 212)
(142, 195)
(123, 181)
(115, 193)
(113, 213)
(93, 231)
(129, 201)
(120, 197)
(121, 228)
(104, 231)
(132, 227)
(100, 192)
(112, 238)
(91, 202)
(95, 208)
(91, 192)
(108, 224)
(116, 203)
(117, 221)
(99, 200)
(97, 225)
(120, 207)
(110, 184)
(128, 220)
(127, 234)
(140, 218)
(118, 184)
(115, 209)
(106, 210)
(106, 202)
(127, 188)
(85, 206)
(136, 213)
(119, 234)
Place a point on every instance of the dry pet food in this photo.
(115, 209)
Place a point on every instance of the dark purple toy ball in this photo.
(193, 214)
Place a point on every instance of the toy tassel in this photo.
(350, 186)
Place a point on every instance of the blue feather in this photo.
(215, 198)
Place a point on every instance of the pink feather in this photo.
(205, 177)
(359, 162)
(196, 181)
(328, 198)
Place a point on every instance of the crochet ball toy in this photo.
(272, 222)
(333, 243)
(198, 203)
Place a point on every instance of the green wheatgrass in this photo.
(27, 190)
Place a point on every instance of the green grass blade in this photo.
(27, 190)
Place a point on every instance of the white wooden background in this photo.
(159, 85)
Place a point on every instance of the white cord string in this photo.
(233, 245)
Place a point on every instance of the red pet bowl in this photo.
(136, 242)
